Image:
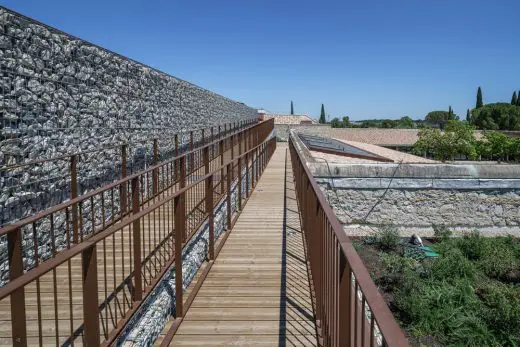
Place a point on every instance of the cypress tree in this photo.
(292, 108)
(480, 103)
(514, 99)
(322, 115)
(468, 115)
(450, 111)
(518, 98)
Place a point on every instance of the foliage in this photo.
(497, 116)
(514, 99)
(442, 232)
(388, 237)
(459, 300)
(402, 123)
(322, 120)
(337, 123)
(457, 139)
(501, 310)
(440, 118)
(479, 103)
(395, 264)
(292, 108)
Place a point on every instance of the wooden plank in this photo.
(257, 292)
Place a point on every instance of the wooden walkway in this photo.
(257, 292)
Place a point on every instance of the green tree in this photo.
(405, 123)
(336, 123)
(450, 111)
(457, 139)
(518, 98)
(496, 145)
(439, 118)
(514, 99)
(497, 116)
(480, 103)
(323, 120)
(468, 115)
(292, 108)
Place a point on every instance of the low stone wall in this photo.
(423, 208)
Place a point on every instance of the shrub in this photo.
(497, 259)
(473, 245)
(452, 266)
(396, 264)
(442, 232)
(388, 237)
(501, 311)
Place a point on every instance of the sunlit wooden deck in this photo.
(257, 292)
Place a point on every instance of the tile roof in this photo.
(382, 137)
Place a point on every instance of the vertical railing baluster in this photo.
(136, 234)
(15, 256)
(155, 174)
(73, 195)
(123, 187)
(90, 296)
(211, 217)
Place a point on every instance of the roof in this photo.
(389, 154)
(290, 119)
(381, 137)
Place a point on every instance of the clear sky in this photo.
(364, 59)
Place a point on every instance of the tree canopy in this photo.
(480, 102)
(498, 116)
(440, 117)
(323, 120)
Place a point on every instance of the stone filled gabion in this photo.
(148, 323)
(60, 95)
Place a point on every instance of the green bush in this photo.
(442, 232)
(473, 245)
(396, 264)
(388, 237)
(452, 266)
(501, 311)
(498, 260)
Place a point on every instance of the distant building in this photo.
(287, 119)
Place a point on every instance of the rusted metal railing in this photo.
(99, 269)
(350, 311)
(40, 184)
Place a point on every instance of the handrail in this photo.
(349, 306)
(123, 276)
(127, 179)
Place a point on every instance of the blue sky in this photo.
(364, 59)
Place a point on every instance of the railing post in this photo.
(239, 183)
(136, 230)
(221, 149)
(180, 228)
(212, 138)
(73, 195)
(182, 184)
(247, 175)
(123, 191)
(90, 296)
(229, 169)
(175, 170)
(192, 157)
(155, 174)
(202, 138)
(211, 217)
(232, 152)
(344, 301)
(15, 256)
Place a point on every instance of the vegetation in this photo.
(480, 103)
(457, 139)
(292, 108)
(322, 120)
(514, 99)
(344, 123)
(497, 116)
(467, 296)
(440, 118)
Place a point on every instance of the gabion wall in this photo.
(60, 95)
